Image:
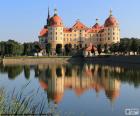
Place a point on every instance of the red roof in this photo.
(79, 25)
(96, 26)
(43, 32)
(67, 30)
(110, 21)
(56, 21)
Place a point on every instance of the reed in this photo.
(19, 103)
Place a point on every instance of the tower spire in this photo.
(55, 11)
(110, 12)
(48, 12)
(48, 19)
(97, 20)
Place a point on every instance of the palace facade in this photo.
(54, 32)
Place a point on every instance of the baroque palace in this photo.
(55, 33)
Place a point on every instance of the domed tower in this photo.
(111, 30)
(55, 30)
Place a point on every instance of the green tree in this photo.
(122, 48)
(28, 48)
(105, 48)
(37, 48)
(48, 48)
(2, 48)
(114, 48)
(134, 45)
(13, 48)
(59, 49)
(99, 49)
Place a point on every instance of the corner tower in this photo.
(55, 30)
(112, 30)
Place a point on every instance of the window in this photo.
(108, 33)
(113, 33)
(56, 38)
(109, 38)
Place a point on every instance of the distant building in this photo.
(54, 32)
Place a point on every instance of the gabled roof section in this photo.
(79, 25)
(67, 30)
(43, 32)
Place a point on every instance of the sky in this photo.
(22, 20)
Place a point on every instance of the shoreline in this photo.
(76, 60)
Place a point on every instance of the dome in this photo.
(56, 21)
(111, 21)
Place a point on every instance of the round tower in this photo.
(55, 30)
(111, 30)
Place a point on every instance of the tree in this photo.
(134, 46)
(28, 48)
(37, 48)
(59, 49)
(105, 48)
(2, 48)
(139, 50)
(99, 49)
(13, 48)
(48, 48)
(114, 48)
(93, 50)
(122, 48)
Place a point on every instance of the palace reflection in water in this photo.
(56, 79)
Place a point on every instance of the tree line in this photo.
(13, 48)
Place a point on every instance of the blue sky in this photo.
(23, 19)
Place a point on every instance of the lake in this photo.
(76, 90)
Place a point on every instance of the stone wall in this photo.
(34, 60)
(53, 60)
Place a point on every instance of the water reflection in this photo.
(56, 79)
(12, 71)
